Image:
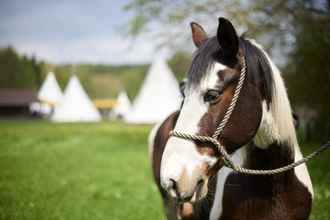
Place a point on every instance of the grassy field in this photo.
(93, 171)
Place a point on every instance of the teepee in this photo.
(49, 95)
(158, 97)
(75, 105)
(123, 106)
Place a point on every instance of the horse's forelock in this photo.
(202, 60)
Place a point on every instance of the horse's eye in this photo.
(212, 96)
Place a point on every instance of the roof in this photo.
(17, 97)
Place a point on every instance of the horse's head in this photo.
(212, 78)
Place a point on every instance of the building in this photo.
(16, 102)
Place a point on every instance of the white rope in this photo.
(232, 103)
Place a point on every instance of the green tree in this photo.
(180, 63)
(309, 75)
(261, 18)
(18, 71)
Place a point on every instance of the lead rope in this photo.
(226, 157)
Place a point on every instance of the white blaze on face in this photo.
(181, 155)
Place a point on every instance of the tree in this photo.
(180, 63)
(257, 17)
(18, 71)
(272, 23)
(309, 75)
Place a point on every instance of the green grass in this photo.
(94, 171)
(319, 169)
(75, 171)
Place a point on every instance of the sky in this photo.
(72, 31)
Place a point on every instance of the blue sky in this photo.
(72, 31)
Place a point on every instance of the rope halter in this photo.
(226, 157)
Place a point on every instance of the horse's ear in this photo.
(227, 37)
(199, 36)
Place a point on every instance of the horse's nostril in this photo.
(200, 182)
(172, 188)
(186, 198)
(172, 183)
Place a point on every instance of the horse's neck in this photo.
(275, 146)
(261, 192)
(252, 157)
(270, 149)
(275, 155)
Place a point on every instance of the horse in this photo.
(191, 175)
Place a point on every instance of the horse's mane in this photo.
(282, 128)
(258, 68)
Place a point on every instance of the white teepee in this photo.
(158, 97)
(49, 95)
(123, 106)
(75, 105)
